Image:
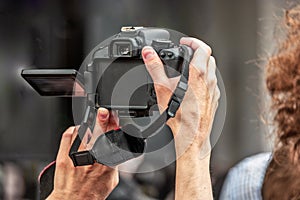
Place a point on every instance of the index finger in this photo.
(201, 56)
(65, 143)
(195, 44)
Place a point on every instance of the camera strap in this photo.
(117, 146)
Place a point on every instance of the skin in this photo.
(85, 182)
(191, 130)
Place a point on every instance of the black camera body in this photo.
(124, 83)
(115, 76)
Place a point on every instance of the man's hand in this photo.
(84, 182)
(192, 124)
(193, 121)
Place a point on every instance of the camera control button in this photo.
(162, 54)
(170, 54)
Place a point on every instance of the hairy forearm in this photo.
(192, 176)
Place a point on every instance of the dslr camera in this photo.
(114, 75)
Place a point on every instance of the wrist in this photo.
(194, 155)
(195, 177)
(189, 139)
(55, 196)
(61, 196)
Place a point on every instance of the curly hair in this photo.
(282, 73)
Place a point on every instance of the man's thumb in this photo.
(154, 65)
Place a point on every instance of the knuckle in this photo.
(196, 44)
(116, 181)
(200, 71)
(205, 48)
(213, 82)
(212, 63)
(202, 52)
(162, 87)
(217, 93)
(215, 108)
(212, 59)
(155, 64)
(208, 50)
(68, 133)
(61, 163)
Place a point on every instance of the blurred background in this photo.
(59, 34)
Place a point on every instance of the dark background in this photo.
(59, 34)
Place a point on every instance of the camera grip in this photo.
(174, 58)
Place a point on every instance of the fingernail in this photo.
(103, 113)
(148, 53)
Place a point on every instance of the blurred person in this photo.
(13, 182)
(276, 175)
(191, 128)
